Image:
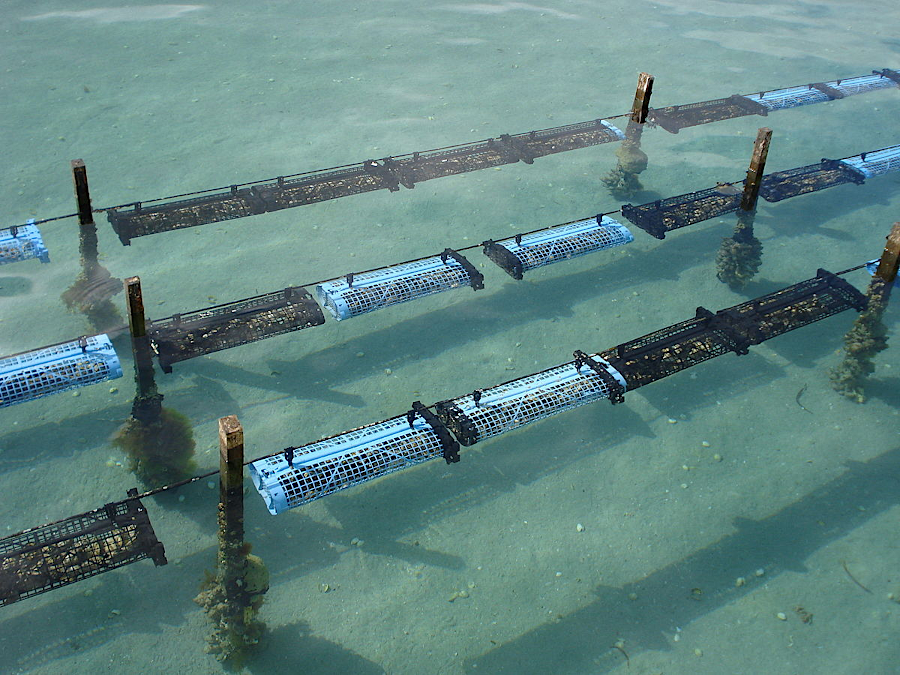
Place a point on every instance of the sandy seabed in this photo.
(710, 504)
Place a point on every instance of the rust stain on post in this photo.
(757, 166)
(890, 258)
(136, 321)
(231, 506)
(641, 104)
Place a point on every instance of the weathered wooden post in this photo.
(94, 286)
(740, 255)
(159, 441)
(233, 595)
(623, 180)
(868, 335)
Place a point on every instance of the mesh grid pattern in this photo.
(391, 286)
(805, 179)
(27, 243)
(862, 84)
(567, 241)
(791, 97)
(674, 118)
(528, 399)
(186, 336)
(31, 375)
(336, 463)
(876, 163)
(54, 555)
(388, 173)
(662, 216)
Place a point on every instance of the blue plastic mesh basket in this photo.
(529, 399)
(49, 370)
(339, 462)
(862, 84)
(876, 163)
(791, 97)
(365, 292)
(21, 243)
(520, 254)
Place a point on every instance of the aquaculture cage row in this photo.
(388, 173)
(188, 335)
(237, 201)
(675, 118)
(43, 558)
(664, 215)
(300, 475)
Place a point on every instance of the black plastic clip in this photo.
(476, 278)
(349, 279)
(449, 444)
(616, 390)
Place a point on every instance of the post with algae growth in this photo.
(868, 335)
(623, 180)
(233, 595)
(740, 255)
(94, 286)
(159, 441)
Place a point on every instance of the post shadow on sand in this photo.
(645, 612)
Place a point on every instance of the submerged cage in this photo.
(491, 412)
(49, 370)
(185, 336)
(522, 253)
(357, 294)
(688, 343)
(300, 475)
(43, 558)
(664, 215)
(138, 220)
(22, 242)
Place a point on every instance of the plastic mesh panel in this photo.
(185, 336)
(876, 163)
(22, 243)
(791, 97)
(688, 343)
(662, 216)
(388, 173)
(557, 243)
(351, 458)
(862, 84)
(520, 402)
(38, 560)
(392, 285)
(45, 371)
(805, 179)
(677, 117)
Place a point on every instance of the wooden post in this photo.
(757, 166)
(641, 104)
(82, 194)
(147, 406)
(231, 508)
(890, 258)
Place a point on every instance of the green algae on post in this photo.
(234, 594)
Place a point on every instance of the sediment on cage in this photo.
(44, 558)
(186, 336)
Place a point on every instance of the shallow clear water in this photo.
(165, 99)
